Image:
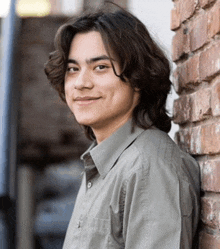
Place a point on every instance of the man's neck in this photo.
(104, 132)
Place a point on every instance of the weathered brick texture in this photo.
(214, 20)
(180, 43)
(198, 35)
(215, 101)
(196, 52)
(193, 107)
(205, 3)
(210, 211)
(187, 74)
(187, 8)
(175, 19)
(209, 241)
(210, 174)
(210, 62)
(200, 140)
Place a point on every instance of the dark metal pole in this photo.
(7, 129)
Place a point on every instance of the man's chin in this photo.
(84, 122)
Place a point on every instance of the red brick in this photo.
(186, 76)
(196, 49)
(210, 62)
(210, 137)
(216, 97)
(176, 81)
(180, 43)
(179, 77)
(181, 109)
(205, 3)
(189, 139)
(201, 105)
(200, 140)
(182, 138)
(199, 32)
(183, 74)
(193, 107)
(211, 175)
(187, 8)
(214, 20)
(175, 19)
(195, 141)
(209, 241)
(193, 69)
(210, 211)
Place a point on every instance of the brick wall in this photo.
(196, 52)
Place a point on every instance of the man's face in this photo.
(95, 95)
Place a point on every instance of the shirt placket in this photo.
(91, 174)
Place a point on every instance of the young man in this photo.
(139, 189)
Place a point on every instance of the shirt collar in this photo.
(108, 151)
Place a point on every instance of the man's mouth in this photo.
(86, 100)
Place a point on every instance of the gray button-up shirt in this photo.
(139, 190)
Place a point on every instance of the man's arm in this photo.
(158, 209)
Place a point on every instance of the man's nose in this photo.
(84, 80)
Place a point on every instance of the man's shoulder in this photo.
(155, 142)
(149, 146)
(156, 149)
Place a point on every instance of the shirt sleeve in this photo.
(153, 217)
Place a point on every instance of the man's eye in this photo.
(101, 67)
(72, 69)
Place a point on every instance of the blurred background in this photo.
(40, 141)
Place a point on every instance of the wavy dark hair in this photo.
(143, 64)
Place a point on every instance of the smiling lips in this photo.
(86, 100)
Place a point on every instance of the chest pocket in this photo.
(96, 233)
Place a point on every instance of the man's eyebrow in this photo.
(72, 61)
(91, 60)
(99, 58)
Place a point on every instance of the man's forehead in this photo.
(90, 47)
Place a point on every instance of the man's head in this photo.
(141, 63)
(97, 97)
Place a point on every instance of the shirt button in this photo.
(78, 224)
(89, 185)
